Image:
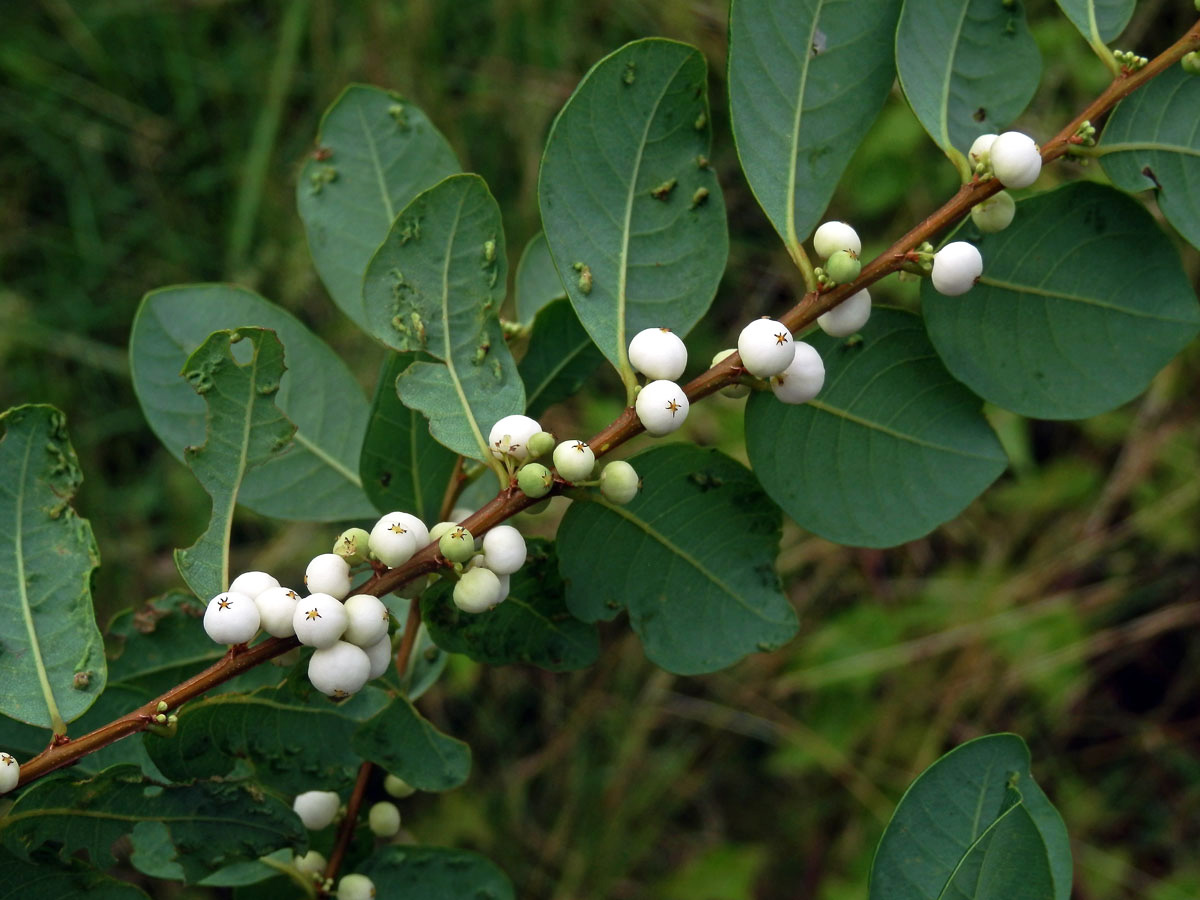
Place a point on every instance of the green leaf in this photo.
(891, 448)
(400, 740)
(806, 80)
(618, 193)
(691, 558)
(25, 880)
(425, 664)
(272, 730)
(1151, 141)
(435, 873)
(968, 67)
(209, 824)
(1099, 21)
(436, 285)
(537, 281)
(317, 478)
(245, 430)
(48, 632)
(402, 466)
(560, 359)
(381, 151)
(975, 812)
(532, 626)
(1082, 301)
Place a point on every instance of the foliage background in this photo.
(148, 143)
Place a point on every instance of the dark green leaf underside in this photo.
(435, 873)
(537, 282)
(560, 359)
(407, 745)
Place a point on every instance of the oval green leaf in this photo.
(401, 465)
(36, 881)
(963, 821)
(52, 663)
(435, 873)
(633, 213)
(891, 448)
(318, 393)
(1099, 21)
(436, 285)
(406, 744)
(537, 282)
(691, 558)
(375, 152)
(1151, 141)
(805, 82)
(560, 359)
(968, 67)
(1082, 301)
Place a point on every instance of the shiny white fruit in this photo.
(477, 591)
(328, 573)
(10, 772)
(384, 819)
(661, 407)
(803, 378)
(316, 809)
(619, 483)
(415, 527)
(253, 583)
(658, 353)
(980, 152)
(956, 268)
(276, 610)
(834, 236)
(367, 620)
(1016, 160)
(320, 620)
(380, 656)
(847, 317)
(392, 540)
(231, 618)
(574, 460)
(510, 437)
(355, 887)
(504, 550)
(766, 347)
(339, 670)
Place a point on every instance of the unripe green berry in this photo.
(535, 480)
(441, 528)
(311, 863)
(397, 787)
(540, 444)
(355, 887)
(619, 483)
(478, 590)
(351, 545)
(843, 266)
(995, 213)
(1191, 61)
(457, 545)
(384, 819)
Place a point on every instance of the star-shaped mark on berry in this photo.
(672, 407)
(459, 534)
(781, 338)
(397, 528)
(224, 603)
(7, 759)
(580, 446)
(312, 614)
(292, 595)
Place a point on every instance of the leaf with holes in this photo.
(1099, 21)
(560, 359)
(245, 430)
(537, 281)
(968, 67)
(974, 826)
(404, 743)
(532, 626)
(696, 551)
(401, 465)
(436, 285)
(1082, 301)
(1152, 140)
(51, 654)
(891, 448)
(793, 68)
(375, 152)
(317, 478)
(633, 213)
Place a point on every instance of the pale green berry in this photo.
(766, 347)
(661, 407)
(253, 583)
(231, 618)
(843, 267)
(574, 460)
(392, 540)
(316, 809)
(320, 620)
(535, 480)
(441, 528)
(340, 670)
(658, 353)
(619, 483)
(276, 610)
(477, 591)
(457, 545)
(1191, 61)
(367, 620)
(397, 787)
(328, 573)
(847, 317)
(540, 444)
(504, 550)
(355, 887)
(311, 863)
(10, 772)
(384, 819)
(803, 378)
(352, 545)
(995, 213)
(1016, 161)
(834, 236)
(734, 391)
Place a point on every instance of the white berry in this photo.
(367, 619)
(329, 574)
(339, 670)
(10, 772)
(392, 540)
(995, 213)
(834, 236)
(253, 583)
(415, 527)
(847, 317)
(766, 347)
(734, 391)
(379, 655)
(320, 620)
(574, 460)
(311, 863)
(384, 819)
(803, 378)
(1016, 161)
(355, 887)
(231, 618)
(397, 787)
(510, 437)
(980, 152)
(658, 353)
(956, 268)
(619, 483)
(276, 609)
(661, 406)
(503, 550)
(316, 809)
(478, 590)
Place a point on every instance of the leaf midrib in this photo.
(790, 214)
(891, 432)
(554, 372)
(1075, 298)
(944, 112)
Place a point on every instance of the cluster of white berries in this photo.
(1015, 161)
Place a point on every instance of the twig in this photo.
(346, 828)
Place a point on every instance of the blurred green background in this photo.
(148, 143)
